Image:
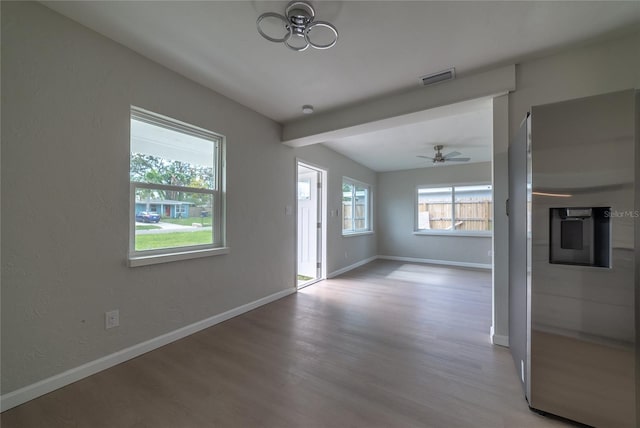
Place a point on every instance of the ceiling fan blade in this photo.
(451, 155)
(425, 157)
(458, 159)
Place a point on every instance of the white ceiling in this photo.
(464, 127)
(384, 47)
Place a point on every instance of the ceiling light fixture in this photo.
(298, 24)
(307, 109)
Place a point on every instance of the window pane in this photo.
(474, 208)
(167, 219)
(361, 207)
(347, 206)
(356, 211)
(165, 156)
(177, 175)
(304, 190)
(434, 208)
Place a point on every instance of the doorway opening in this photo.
(310, 236)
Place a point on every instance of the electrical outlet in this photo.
(111, 319)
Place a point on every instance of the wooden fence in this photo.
(472, 215)
(360, 220)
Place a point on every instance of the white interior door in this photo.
(309, 182)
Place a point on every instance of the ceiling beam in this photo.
(397, 109)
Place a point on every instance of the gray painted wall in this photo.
(65, 188)
(593, 69)
(589, 69)
(65, 142)
(396, 208)
(342, 251)
(66, 97)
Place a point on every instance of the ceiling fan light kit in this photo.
(298, 22)
(449, 157)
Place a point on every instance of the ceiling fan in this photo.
(449, 157)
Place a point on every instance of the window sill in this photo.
(174, 257)
(453, 234)
(350, 234)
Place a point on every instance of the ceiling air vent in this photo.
(440, 76)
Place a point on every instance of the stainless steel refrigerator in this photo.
(574, 213)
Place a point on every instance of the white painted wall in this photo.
(343, 251)
(500, 179)
(396, 208)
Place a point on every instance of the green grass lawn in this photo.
(175, 239)
(147, 227)
(188, 221)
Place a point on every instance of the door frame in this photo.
(322, 241)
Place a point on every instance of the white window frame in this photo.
(453, 231)
(218, 196)
(369, 213)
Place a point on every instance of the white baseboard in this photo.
(29, 392)
(498, 339)
(409, 260)
(351, 267)
(437, 262)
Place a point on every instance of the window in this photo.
(456, 209)
(304, 189)
(177, 190)
(356, 207)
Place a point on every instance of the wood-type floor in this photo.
(390, 344)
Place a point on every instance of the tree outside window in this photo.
(176, 174)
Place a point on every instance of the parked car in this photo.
(148, 217)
